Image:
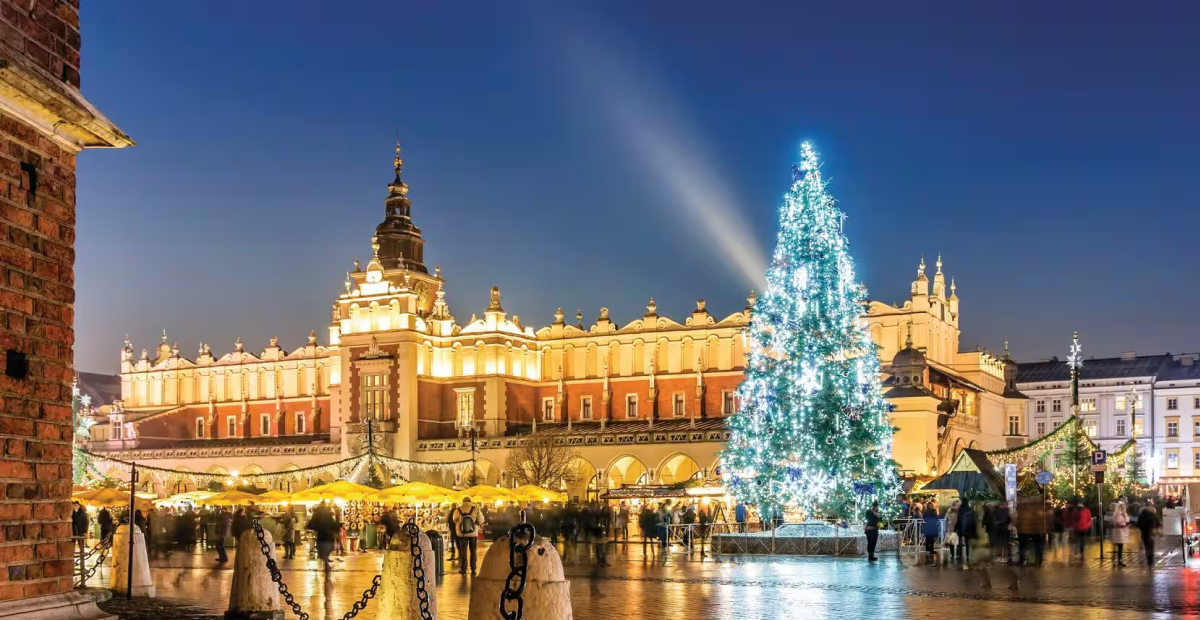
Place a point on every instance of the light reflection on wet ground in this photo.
(747, 588)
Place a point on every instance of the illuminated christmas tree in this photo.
(81, 405)
(812, 430)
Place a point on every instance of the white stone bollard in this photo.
(252, 594)
(547, 593)
(118, 580)
(397, 596)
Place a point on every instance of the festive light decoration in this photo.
(81, 420)
(812, 429)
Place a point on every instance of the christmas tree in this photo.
(81, 421)
(812, 430)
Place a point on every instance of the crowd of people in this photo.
(956, 530)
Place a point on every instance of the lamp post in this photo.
(473, 433)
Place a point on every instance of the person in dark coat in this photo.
(931, 528)
(871, 525)
(79, 525)
(106, 523)
(1000, 532)
(967, 531)
(1147, 523)
(326, 529)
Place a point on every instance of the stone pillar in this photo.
(547, 592)
(252, 594)
(118, 580)
(406, 400)
(397, 597)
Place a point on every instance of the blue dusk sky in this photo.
(581, 155)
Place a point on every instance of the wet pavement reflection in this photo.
(747, 587)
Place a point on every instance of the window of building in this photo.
(679, 409)
(1041, 428)
(1137, 427)
(1057, 423)
(1195, 429)
(631, 405)
(1173, 427)
(375, 396)
(1089, 426)
(1196, 459)
(1173, 460)
(1196, 402)
(1056, 405)
(547, 409)
(117, 431)
(1172, 404)
(1120, 427)
(1040, 406)
(199, 428)
(1014, 425)
(231, 426)
(728, 402)
(585, 407)
(1087, 404)
(466, 407)
(264, 424)
(300, 423)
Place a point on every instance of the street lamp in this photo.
(473, 433)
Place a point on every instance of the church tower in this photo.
(400, 243)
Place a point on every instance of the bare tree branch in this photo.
(540, 460)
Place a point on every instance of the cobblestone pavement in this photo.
(745, 587)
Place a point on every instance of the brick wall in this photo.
(46, 32)
(37, 277)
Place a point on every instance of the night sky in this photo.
(587, 156)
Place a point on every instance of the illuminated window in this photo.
(1041, 428)
(585, 407)
(679, 409)
(1040, 406)
(728, 402)
(1056, 405)
(199, 428)
(631, 405)
(1087, 404)
(548, 409)
(466, 407)
(1120, 427)
(1089, 426)
(1014, 425)
(1172, 460)
(1195, 429)
(375, 396)
(300, 423)
(231, 426)
(264, 424)
(1172, 404)
(1137, 427)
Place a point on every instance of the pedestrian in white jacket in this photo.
(1120, 531)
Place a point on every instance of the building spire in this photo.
(908, 338)
(397, 162)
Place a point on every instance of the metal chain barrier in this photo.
(102, 548)
(518, 562)
(414, 533)
(273, 567)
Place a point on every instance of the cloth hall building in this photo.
(641, 402)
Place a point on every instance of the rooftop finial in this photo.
(164, 336)
(437, 270)
(921, 267)
(375, 247)
(908, 339)
(939, 262)
(1006, 348)
(397, 162)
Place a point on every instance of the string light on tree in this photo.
(812, 429)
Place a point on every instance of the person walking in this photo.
(288, 521)
(967, 531)
(664, 522)
(468, 522)
(325, 530)
(1120, 532)
(223, 521)
(951, 532)
(648, 525)
(931, 527)
(739, 515)
(1082, 527)
(1031, 530)
(79, 526)
(1147, 523)
(1001, 523)
(390, 520)
(871, 525)
(451, 530)
(623, 523)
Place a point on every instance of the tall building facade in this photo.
(1153, 399)
(44, 124)
(641, 402)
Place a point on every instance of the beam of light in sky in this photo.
(672, 153)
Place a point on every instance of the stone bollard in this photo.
(118, 580)
(397, 597)
(252, 593)
(547, 593)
